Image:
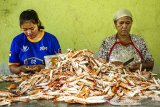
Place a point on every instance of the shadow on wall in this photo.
(4, 69)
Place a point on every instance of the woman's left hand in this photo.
(118, 64)
(135, 66)
(34, 68)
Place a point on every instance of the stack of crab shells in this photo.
(78, 77)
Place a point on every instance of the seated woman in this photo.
(29, 48)
(123, 46)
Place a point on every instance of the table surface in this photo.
(51, 103)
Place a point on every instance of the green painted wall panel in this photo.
(81, 24)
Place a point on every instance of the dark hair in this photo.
(30, 15)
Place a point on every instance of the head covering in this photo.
(121, 13)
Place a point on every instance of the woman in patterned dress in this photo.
(123, 46)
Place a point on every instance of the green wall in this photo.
(81, 24)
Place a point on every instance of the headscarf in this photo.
(121, 13)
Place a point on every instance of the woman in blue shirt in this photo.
(29, 48)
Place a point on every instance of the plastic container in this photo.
(50, 61)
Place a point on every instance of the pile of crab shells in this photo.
(78, 77)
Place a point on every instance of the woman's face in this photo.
(30, 29)
(123, 26)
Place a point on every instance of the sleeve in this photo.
(14, 52)
(145, 52)
(104, 49)
(56, 46)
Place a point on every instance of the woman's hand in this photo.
(118, 64)
(135, 66)
(27, 69)
(148, 65)
(34, 68)
(131, 67)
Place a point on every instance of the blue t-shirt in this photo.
(27, 52)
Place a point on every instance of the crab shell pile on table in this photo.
(78, 77)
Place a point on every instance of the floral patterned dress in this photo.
(113, 50)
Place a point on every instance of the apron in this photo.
(123, 52)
